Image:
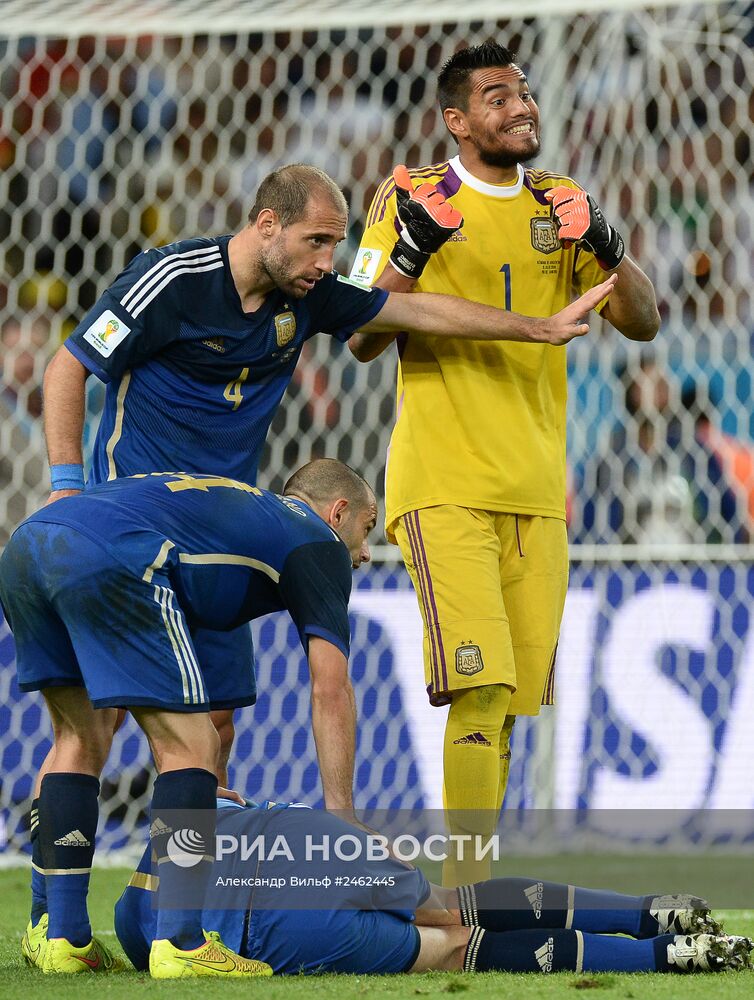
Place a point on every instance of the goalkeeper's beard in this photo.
(496, 157)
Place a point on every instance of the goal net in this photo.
(134, 124)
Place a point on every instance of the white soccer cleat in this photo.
(683, 915)
(709, 953)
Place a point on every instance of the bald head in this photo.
(342, 498)
(289, 190)
(327, 479)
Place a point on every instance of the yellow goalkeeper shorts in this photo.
(491, 588)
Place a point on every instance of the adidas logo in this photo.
(475, 739)
(534, 894)
(545, 955)
(158, 828)
(73, 839)
(216, 343)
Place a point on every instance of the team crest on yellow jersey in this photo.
(285, 328)
(544, 236)
(469, 659)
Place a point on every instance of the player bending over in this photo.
(413, 926)
(102, 592)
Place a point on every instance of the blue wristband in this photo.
(67, 477)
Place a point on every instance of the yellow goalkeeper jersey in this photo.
(481, 424)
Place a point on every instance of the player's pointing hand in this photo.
(571, 321)
(428, 222)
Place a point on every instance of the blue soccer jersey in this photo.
(193, 381)
(107, 588)
(362, 931)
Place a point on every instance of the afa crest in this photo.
(543, 235)
(469, 659)
(285, 328)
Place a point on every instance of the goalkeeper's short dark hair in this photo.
(287, 192)
(453, 82)
(326, 479)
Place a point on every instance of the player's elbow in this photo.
(368, 346)
(653, 327)
(645, 329)
(641, 323)
(358, 346)
(329, 690)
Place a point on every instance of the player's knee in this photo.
(488, 704)
(442, 948)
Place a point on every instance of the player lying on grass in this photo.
(102, 591)
(402, 923)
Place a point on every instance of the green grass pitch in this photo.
(17, 981)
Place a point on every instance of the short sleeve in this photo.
(121, 329)
(316, 585)
(341, 306)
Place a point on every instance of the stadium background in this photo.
(151, 122)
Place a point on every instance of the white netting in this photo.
(111, 144)
(163, 131)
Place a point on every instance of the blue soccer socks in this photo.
(67, 827)
(38, 885)
(558, 950)
(508, 904)
(184, 854)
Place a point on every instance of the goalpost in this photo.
(137, 123)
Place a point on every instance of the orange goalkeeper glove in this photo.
(428, 221)
(578, 219)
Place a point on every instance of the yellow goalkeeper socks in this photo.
(472, 774)
(505, 759)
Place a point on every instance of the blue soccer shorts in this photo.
(80, 616)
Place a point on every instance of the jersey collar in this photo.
(494, 190)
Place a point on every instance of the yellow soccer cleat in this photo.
(60, 955)
(211, 959)
(34, 942)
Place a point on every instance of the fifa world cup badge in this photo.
(365, 259)
(106, 332)
(365, 266)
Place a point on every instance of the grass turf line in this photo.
(18, 981)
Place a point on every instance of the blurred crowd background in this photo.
(109, 145)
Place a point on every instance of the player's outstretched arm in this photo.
(448, 316)
(64, 408)
(333, 722)
(366, 346)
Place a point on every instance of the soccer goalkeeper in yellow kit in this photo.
(476, 473)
